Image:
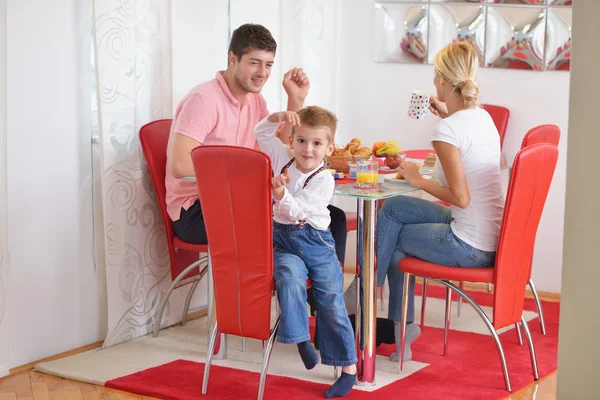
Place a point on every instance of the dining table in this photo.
(366, 268)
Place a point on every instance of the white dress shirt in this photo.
(298, 202)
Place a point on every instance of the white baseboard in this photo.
(3, 370)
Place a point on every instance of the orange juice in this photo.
(368, 178)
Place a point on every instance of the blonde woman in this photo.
(468, 148)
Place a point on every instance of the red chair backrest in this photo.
(500, 116)
(532, 173)
(154, 138)
(542, 134)
(234, 184)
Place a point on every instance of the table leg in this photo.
(366, 308)
(221, 346)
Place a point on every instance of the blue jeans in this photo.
(300, 253)
(408, 226)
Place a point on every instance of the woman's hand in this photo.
(278, 182)
(410, 171)
(437, 107)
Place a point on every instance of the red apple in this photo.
(394, 161)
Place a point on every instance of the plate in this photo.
(396, 182)
(402, 182)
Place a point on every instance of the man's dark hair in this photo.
(249, 37)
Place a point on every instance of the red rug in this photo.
(470, 370)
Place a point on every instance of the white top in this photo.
(473, 132)
(297, 203)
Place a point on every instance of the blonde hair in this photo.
(457, 64)
(317, 117)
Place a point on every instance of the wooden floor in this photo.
(31, 385)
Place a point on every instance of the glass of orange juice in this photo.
(366, 174)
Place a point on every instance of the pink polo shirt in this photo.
(211, 115)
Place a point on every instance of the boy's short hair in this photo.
(317, 117)
(249, 37)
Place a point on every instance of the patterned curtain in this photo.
(4, 336)
(133, 80)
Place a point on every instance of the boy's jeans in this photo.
(300, 253)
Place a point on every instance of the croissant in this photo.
(399, 175)
(357, 141)
(338, 152)
(430, 160)
(353, 147)
(363, 151)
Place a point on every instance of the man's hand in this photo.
(296, 85)
(279, 183)
(437, 107)
(285, 116)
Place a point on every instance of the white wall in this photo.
(57, 294)
(199, 40)
(373, 99)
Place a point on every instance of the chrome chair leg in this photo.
(461, 285)
(163, 302)
(489, 325)
(534, 365)
(403, 320)
(539, 307)
(423, 302)
(244, 344)
(336, 372)
(519, 336)
(211, 348)
(188, 300)
(489, 287)
(266, 358)
(447, 319)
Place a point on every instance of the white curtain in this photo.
(4, 337)
(309, 40)
(133, 63)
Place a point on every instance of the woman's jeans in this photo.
(301, 253)
(409, 226)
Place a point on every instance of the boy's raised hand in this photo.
(285, 116)
(278, 182)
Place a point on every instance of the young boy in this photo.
(304, 247)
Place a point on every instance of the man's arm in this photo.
(296, 85)
(196, 119)
(180, 155)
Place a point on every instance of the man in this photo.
(224, 111)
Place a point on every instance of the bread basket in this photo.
(340, 163)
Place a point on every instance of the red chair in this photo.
(540, 134)
(184, 256)
(232, 181)
(532, 174)
(500, 116)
